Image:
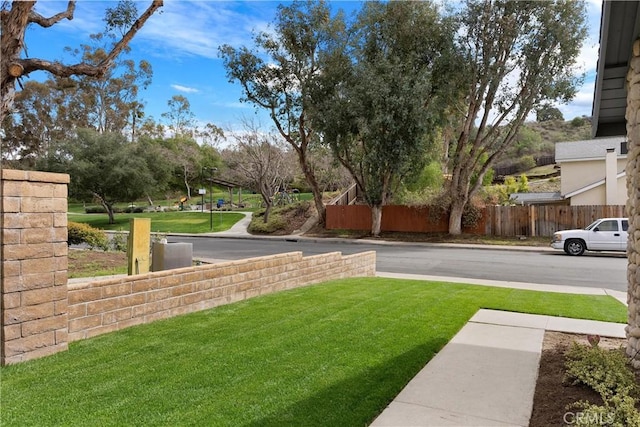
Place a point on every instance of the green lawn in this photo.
(327, 355)
(164, 222)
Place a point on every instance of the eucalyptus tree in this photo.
(277, 75)
(37, 122)
(53, 109)
(518, 56)
(382, 96)
(110, 102)
(180, 119)
(17, 16)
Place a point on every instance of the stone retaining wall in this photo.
(109, 305)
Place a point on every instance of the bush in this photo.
(95, 210)
(119, 242)
(275, 223)
(605, 371)
(133, 209)
(608, 373)
(79, 233)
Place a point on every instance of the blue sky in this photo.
(182, 43)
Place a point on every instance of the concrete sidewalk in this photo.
(486, 375)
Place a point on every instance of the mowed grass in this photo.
(326, 355)
(164, 222)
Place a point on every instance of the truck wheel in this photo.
(574, 247)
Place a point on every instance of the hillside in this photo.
(536, 140)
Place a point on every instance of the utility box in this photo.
(138, 246)
(167, 256)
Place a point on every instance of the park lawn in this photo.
(324, 355)
(164, 222)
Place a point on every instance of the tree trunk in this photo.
(14, 24)
(376, 220)
(455, 216)
(267, 211)
(313, 183)
(185, 177)
(633, 206)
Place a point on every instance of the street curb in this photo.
(369, 241)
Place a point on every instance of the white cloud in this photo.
(186, 28)
(185, 89)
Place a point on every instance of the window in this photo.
(625, 224)
(609, 225)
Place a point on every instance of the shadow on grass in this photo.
(357, 400)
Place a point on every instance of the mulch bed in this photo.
(553, 394)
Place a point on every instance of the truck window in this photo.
(609, 225)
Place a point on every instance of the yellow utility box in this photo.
(139, 245)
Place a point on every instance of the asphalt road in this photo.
(542, 267)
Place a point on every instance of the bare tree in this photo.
(258, 161)
(15, 18)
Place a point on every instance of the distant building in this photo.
(593, 172)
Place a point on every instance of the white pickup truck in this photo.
(605, 234)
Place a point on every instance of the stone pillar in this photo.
(633, 204)
(33, 252)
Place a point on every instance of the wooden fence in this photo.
(543, 220)
(504, 221)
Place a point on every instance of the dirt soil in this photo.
(86, 263)
(553, 394)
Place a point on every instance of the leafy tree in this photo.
(546, 113)
(104, 167)
(52, 110)
(383, 96)
(106, 103)
(519, 55)
(180, 118)
(15, 19)
(211, 135)
(36, 124)
(278, 75)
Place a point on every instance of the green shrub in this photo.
(275, 223)
(605, 371)
(525, 163)
(619, 411)
(119, 242)
(95, 210)
(133, 209)
(79, 233)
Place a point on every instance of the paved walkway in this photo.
(486, 375)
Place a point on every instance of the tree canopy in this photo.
(105, 167)
(383, 94)
(517, 56)
(278, 74)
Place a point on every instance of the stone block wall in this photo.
(104, 306)
(33, 248)
(633, 204)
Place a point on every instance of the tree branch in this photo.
(56, 68)
(36, 18)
